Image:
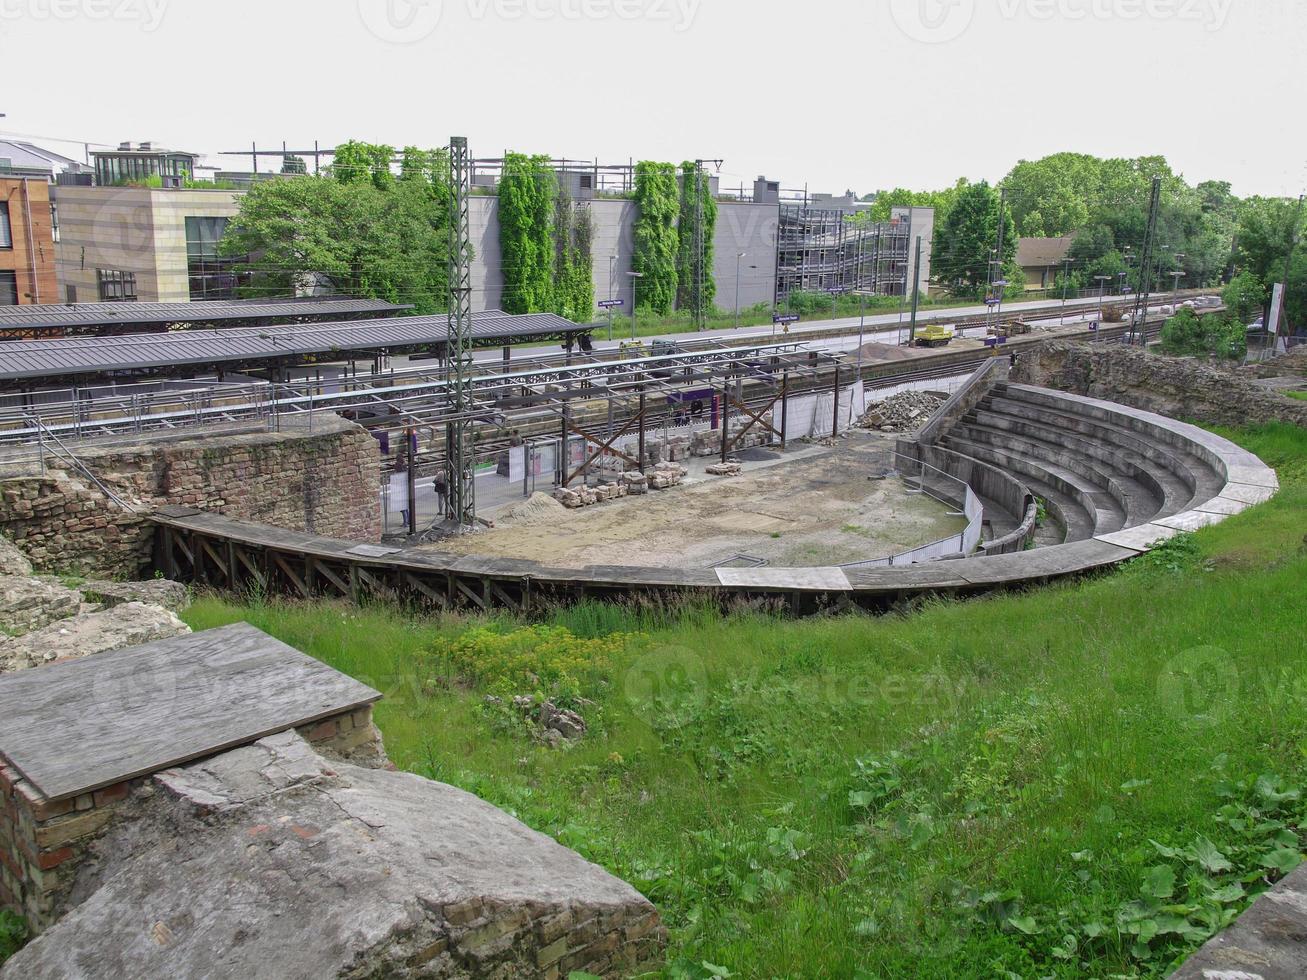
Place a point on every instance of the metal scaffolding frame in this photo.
(820, 250)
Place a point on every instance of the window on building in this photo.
(54, 221)
(8, 289)
(6, 231)
(212, 276)
(115, 286)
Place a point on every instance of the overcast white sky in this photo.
(833, 93)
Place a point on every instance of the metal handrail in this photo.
(63, 452)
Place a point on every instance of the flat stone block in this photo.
(1141, 538)
(806, 579)
(1191, 520)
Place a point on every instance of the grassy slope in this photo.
(953, 792)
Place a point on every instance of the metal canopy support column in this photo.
(785, 406)
(460, 461)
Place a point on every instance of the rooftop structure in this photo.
(103, 319)
(141, 162)
(187, 353)
(22, 159)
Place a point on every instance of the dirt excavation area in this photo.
(822, 509)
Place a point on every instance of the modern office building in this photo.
(146, 244)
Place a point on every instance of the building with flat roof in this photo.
(141, 163)
(27, 242)
(144, 244)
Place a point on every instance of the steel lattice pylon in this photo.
(460, 467)
(1139, 322)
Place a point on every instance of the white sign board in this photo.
(1277, 310)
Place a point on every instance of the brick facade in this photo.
(33, 245)
(323, 482)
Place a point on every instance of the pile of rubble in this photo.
(902, 412)
(730, 468)
(44, 619)
(667, 475)
(663, 476)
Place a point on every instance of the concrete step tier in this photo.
(1098, 469)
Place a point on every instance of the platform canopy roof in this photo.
(188, 352)
(98, 319)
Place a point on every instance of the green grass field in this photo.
(1300, 395)
(1083, 780)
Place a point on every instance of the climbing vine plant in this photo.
(656, 243)
(527, 192)
(574, 291)
(688, 297)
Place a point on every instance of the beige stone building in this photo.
(147, 244)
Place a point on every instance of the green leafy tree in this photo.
(1188, 334)
(1048, 197)
(528, 190)
(656, 241)
(965, 241)
(357, 162)
(1244, 297)
(685, 261)
(361, 239)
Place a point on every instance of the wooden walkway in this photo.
(75, 727)
(228, 554)
(209, 549)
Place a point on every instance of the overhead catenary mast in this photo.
(460, 462)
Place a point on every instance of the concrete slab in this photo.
(807, 579)
(1247, 494)
(1140, 538)
(75, 727)
(372, 551)
(1257, 476)
(1223, 505)
(1191, 520)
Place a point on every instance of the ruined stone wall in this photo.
(323, 482)
(1180, 388)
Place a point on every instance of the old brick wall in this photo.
(43, 842)
(1179, 388)
(323, 481)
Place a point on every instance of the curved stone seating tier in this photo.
(1117, 480)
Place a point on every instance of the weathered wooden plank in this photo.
(74, 727)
